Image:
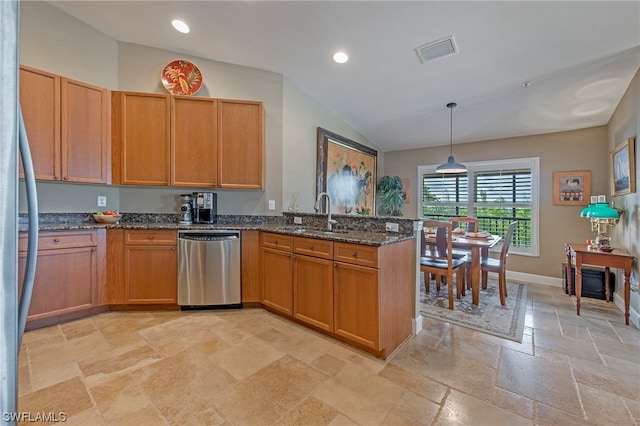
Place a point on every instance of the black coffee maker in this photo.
(204, 207)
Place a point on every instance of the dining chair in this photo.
(440, 261)
(439, 249)
(489, 264)
(468, 224)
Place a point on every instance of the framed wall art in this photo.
(623, 171)
(572, 188)
(346, 170)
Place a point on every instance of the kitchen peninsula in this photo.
(355, 283)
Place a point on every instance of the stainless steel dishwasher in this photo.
(209, 269)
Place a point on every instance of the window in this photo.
(495, 192)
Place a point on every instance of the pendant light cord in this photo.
(451, 130)
(451, 106)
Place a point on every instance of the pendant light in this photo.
(451, 166)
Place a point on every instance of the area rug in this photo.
(487, 317)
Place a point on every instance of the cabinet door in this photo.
(240, 144)
(313, 291)
(251, 288)
(65, 281)
(194, 135)
(140, 133)
(277, 284)
(85, 121)
(150, 274)
(356, 304)
(40, 102)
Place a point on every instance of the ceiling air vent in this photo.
(437, 49)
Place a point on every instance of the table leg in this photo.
(568, 273)
(578, 281)
(606, 283)
(475, 275)
(627, 295)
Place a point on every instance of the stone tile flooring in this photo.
(249, 367)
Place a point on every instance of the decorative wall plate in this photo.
(181, 77)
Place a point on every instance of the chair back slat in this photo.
(507, 242)
(470, 223)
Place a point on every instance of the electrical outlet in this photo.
(297, 220)
(272, 204)
(393, 227)
(102, 201)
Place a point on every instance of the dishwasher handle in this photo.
(209, 237)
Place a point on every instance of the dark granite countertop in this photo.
(365, 236)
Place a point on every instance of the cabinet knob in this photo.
(354, 254)
(275, 241)
(150, 237)
(65, 178)
(310, 246)
(56, 240)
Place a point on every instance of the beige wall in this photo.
(584, 149)
(54, 41)
(625, 123)
(302, 116)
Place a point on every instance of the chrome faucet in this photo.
(330, 222)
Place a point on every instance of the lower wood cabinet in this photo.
(356, 304)
(69, 277)
(143, 267)
(313, 291)
(277, 281)
(250, 260)
(313, 282)
(363, 295)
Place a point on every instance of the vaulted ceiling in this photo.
(578, 56)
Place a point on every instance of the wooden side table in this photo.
(583, 254)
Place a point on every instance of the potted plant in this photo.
(389, 188)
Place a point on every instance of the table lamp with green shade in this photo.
(602, 216)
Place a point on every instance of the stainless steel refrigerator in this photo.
(13, 142)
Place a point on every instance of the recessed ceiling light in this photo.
(340, 57)
(180, 26)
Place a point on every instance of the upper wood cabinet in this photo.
(187, 141)
(240, 144)
(140, 133)
(194, 135)
(67, 124)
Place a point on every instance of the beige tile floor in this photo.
(249, 367)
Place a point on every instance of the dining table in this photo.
(479, 246)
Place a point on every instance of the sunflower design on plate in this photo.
(181, 78)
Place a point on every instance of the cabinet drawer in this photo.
(57, 240)
(276, 241)
(150, 237)
(356, 254)
(313, 247)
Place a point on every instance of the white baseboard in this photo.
(416, 324)
(634, 317)
(522, 277)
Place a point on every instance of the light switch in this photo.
(272, 204)
(102, 201)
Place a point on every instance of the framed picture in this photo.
(405, 192)
(572, 188)
(623, 171)
(346, 170)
